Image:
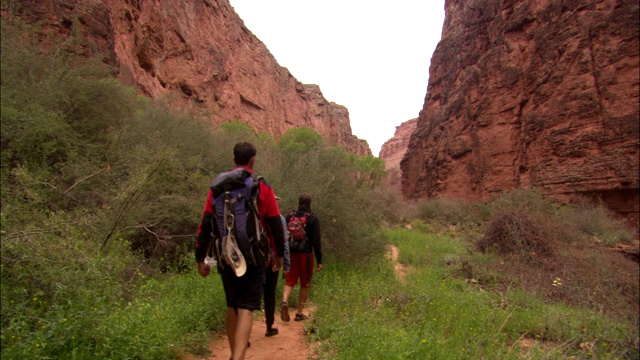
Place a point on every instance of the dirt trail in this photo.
(291, 341)
(401, 270)
(289, 344)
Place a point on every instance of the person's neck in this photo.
(246, 167)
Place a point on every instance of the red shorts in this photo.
(301, 268)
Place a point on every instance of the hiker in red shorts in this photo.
(301, 249)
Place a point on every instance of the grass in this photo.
(62, 299)
(365, 313)
(163, 318)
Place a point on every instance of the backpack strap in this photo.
(215, 244)
(255, 188)
(252, 203)
(306, 234)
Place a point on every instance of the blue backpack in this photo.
(236, 223)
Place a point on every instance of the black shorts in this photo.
(244, 292)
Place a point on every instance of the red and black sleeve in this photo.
(270, 215)
(204, 229)
(315, 237)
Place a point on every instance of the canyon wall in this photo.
(393, 151)
(531, 94)
(195, 54)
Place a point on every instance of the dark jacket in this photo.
(312, 229)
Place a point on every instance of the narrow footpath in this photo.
(289, 344)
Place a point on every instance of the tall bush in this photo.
(594, 220)
(350, 227)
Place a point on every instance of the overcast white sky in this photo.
(370, 56)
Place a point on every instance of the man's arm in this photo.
(275, 227)
(316, 240)
(204, 235)
(270, 212)
(287, 255)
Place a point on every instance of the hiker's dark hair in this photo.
(304, 201)
(243, 152)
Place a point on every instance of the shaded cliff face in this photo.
(537, 94)
(393, 151)
(200, 55)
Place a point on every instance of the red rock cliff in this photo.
(394, 149)
(199, 54)
(537, 94)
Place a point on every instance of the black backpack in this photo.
(236, 218)
(296, 227)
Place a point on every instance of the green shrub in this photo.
(390, 205)
(517, 233)
(594, 220)
(449, 211)
(370, 171)
(521, 200)
(350, 228)
(297, 142)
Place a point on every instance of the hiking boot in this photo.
(284, 312)
(271, 332)
(300, 317)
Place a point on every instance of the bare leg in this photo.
(243, 331)
(286, 293)
(284, 311)
(302, 298)
(231, 324)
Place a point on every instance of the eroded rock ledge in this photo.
(197, 54)
(537, 94)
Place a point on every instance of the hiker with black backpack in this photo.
(232, 234)
(304, 241)
(271, 280)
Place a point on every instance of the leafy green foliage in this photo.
(297, 142)
(370, 170)
(73, 303)
(350, 227)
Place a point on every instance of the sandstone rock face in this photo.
(393, 151)
(541, 94)
(199, 55)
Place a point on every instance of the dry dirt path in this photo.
(400, 270)
(291, 343)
